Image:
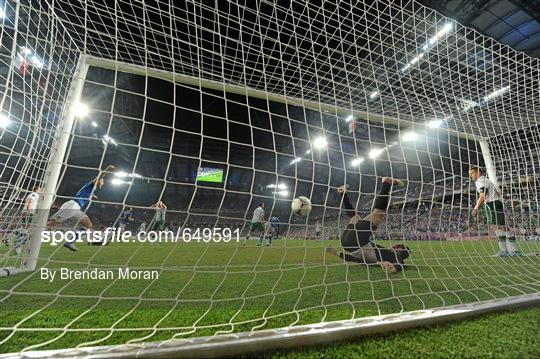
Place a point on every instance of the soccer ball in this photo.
(301, 206)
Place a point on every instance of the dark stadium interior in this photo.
(255, 147)
(512, 22)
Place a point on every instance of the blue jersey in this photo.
(126, 216)
(85, 194)
(274, 222)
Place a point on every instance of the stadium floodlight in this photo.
(434, 123)
(349, 118)
(416, 58)
(117, 182)
(376, 152)
(108, 139)
(405, 68)
(374, 95)
(320, 142)
(120, 174)
(496, 93)
(37, 62)
(446, 28)
(308, 152)
(279, 186)
(409, 136)
(468, 105)
(2, 14)
(81, 110)
(296, 160)
(357, 161)
(4, 120)
(26, 50)
(282, 193)
(433, 40)
(94, 124)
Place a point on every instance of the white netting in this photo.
(37, 60)
(273, 103)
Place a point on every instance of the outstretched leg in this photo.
(343, 255)
(347, 206)
(385, 266)
(359, 231)
(381, 202)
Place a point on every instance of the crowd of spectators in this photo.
(419, 211)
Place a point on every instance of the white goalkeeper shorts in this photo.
(69, 210)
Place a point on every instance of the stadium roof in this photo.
(512, 22)
(404, 62)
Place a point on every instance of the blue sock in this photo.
(21, 239)
(261, 237)
(269, 239)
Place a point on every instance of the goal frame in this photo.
(246, 342)
(59, 148)
(256, 93)
(67, 122)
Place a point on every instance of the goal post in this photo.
(63, 136)
(36, 72)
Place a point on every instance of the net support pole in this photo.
(65, 127)
(488, 161)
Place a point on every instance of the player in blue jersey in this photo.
(272, 229)
(73, 209)
(125, 218)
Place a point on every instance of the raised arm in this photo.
(346, 203)
(102, 174)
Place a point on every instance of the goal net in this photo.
(212, 112)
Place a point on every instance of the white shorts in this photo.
(122, 226)
(69, 210)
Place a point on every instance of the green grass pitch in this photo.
(498, 335)
(208, 288)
